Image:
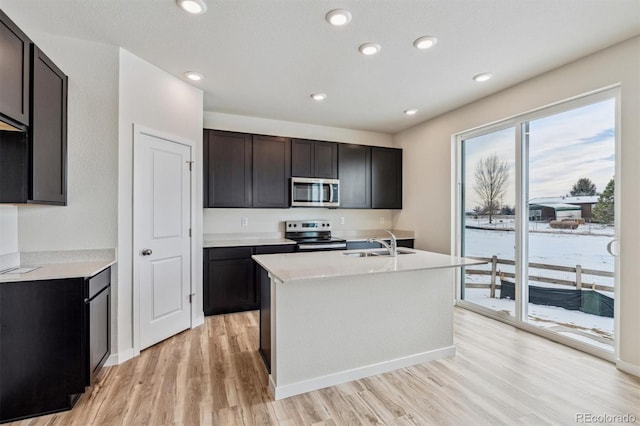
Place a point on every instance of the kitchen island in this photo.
(332, 317)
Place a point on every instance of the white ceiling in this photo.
(264, 58)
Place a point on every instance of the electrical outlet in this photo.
(341, 220)
(244, 221)
(382, 220)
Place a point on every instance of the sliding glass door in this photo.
(571, 183)
(537, 201)
(488, 162)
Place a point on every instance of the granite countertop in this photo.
(328, 264)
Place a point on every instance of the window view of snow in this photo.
(571, 221)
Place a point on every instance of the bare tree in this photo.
(492, 176)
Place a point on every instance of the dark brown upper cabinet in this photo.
(354, 171)
(48, 131)
(386, 178)
(33, 164)
(227, 171)
(14, 72)
(314, 159)
(271, 171)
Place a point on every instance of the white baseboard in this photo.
(120, 357)
(627, 367)
(285, 391)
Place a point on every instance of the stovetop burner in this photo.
(312, 235)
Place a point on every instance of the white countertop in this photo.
(212, 242)
(364, 235)
(54, 271)
(327, 264)
(275, 238)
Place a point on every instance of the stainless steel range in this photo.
(313, 235)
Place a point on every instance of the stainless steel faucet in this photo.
(393, 247)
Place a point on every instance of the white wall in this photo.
(152, 98)
(269, 220)
(8, 229)
(427, 164)
(89, 219)
(265, 126)
(222, 221)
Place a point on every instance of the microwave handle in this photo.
(331, 192)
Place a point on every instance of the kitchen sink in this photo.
(376, 253)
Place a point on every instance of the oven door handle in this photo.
(322, 246)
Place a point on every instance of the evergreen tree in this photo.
(603, 210)
(584, 186)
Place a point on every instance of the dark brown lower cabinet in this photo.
(230, 283)
(47, 332)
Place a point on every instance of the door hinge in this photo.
(190, 165)
(191, 297)
(189, 232)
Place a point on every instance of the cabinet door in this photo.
(48, 132)
(99, 328)
(302, 158)
(229, 284)
(42, 346)
(314, 159)
(325, 160)
(386, 178)
(227, 169)
(354, 171)
(14, 71)
(271, 171)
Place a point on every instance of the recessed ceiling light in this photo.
(482, 77)
(425, 42)
(195, 7)
(193, 76)
(338, 17)
(369, 49)
(318, 96)
(411, 111)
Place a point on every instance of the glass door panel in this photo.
(488, 220)
(571, 167)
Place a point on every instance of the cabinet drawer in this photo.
(282, 248)
(230, 253)
(98, 282)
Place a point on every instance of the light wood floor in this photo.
(213, 375)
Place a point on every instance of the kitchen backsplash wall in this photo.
(224, 221)
(8, 230)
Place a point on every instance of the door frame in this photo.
(457, 217)
(138, 132)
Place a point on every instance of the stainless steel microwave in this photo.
(312, 192)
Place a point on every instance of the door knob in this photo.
(146, 252)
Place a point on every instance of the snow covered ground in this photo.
(508, 223)
(553, 248)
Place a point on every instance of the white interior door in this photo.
(162, 247)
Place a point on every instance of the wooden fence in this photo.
(579, 282)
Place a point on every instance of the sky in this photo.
(579, 143)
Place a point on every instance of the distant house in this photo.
(558, 208)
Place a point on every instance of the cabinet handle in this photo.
(146, 252)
